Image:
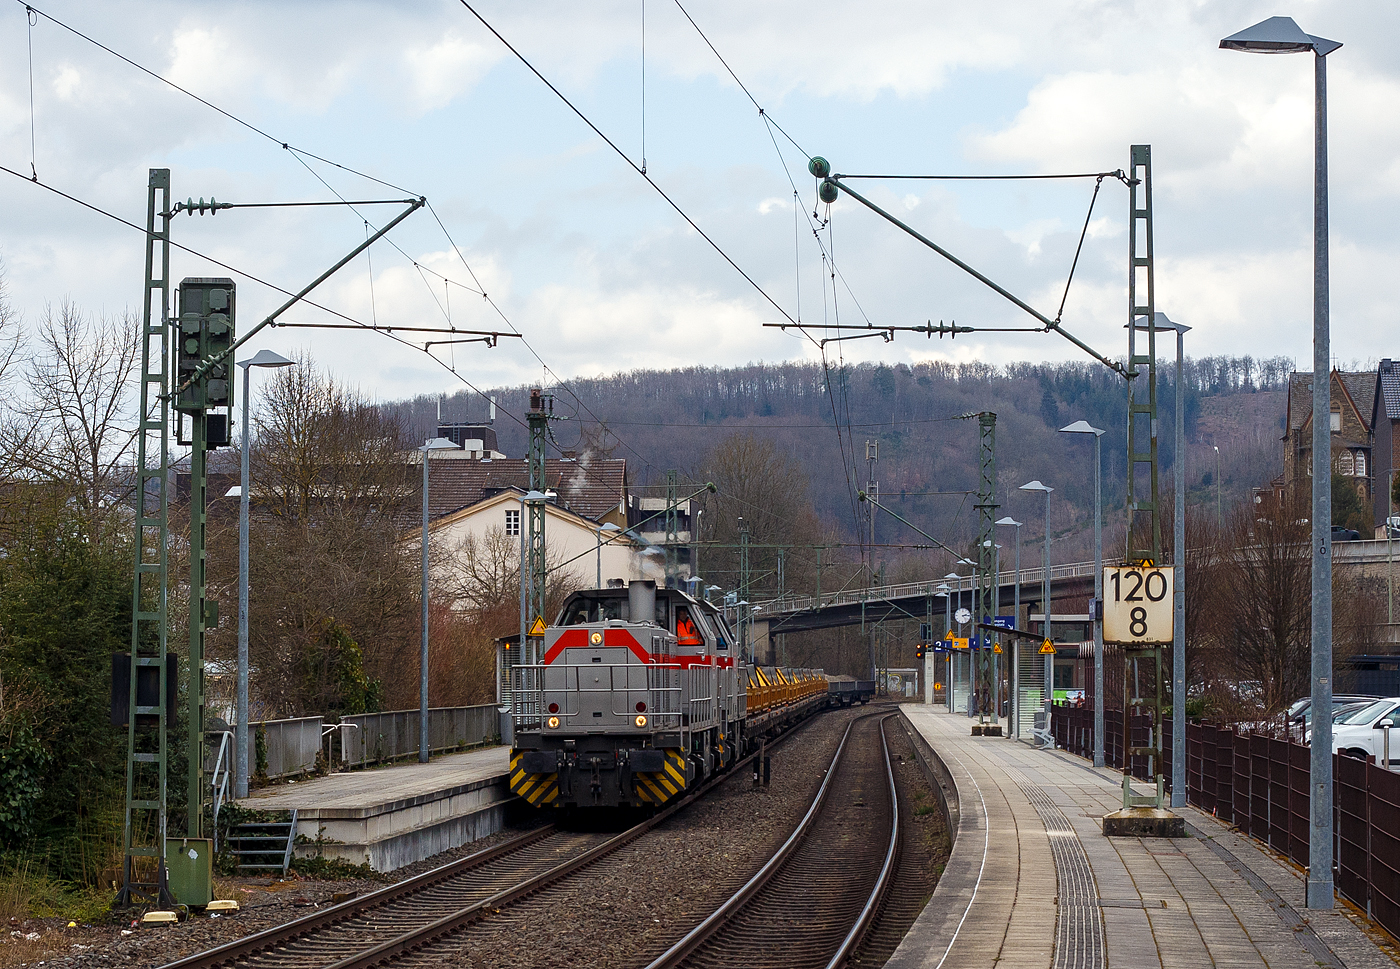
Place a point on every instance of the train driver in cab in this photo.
(687, 633)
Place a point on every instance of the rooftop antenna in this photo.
(492, 418)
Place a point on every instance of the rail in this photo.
(441, 902)
(714, 925)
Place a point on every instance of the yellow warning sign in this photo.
(938, 686)
(537, 627)
(996, 647)
(1047, 647)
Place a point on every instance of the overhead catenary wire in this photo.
(301, 155)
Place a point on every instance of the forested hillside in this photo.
(820, 422)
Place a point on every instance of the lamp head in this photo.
(1081, 427)
(1278, 35)
(1036, 485)
(1008, 520)
(533, 496)
(610, 527)
(438, 444)
(266, 358)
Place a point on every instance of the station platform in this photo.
(1033, 882)
(391, 816)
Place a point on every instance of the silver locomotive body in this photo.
(635, 698)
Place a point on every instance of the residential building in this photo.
(1385, 430)
(1353, 396)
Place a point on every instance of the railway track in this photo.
(401, 923)
(813, 901)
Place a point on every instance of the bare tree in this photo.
(80, 419)
(332, 490)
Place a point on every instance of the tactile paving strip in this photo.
(1078, 924)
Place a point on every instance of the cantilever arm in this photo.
(1048, 323)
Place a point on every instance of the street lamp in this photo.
(263, 358)
(1049, 694)
(947, 593)
(609, 527)
(1219, 512)
(1014, 728)
(1084, 427)
(429, 446)
(1280, 35)
(1161, 322)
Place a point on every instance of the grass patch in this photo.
(27, 890)
(321, 868)
(925, 809)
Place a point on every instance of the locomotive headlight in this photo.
(553, 722)
(641, 721)
(596, 638)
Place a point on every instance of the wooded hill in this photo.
(821, 422)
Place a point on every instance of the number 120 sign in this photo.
(1137, 605)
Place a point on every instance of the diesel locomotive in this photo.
(639, 695)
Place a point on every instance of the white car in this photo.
(1358, 733)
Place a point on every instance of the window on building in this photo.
(1361, 464)
(512, 521)
(1345, 464)
(1336, 422)
(1064, 675)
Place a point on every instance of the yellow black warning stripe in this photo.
(536, 789)
(660, 786)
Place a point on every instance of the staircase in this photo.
(264, 845)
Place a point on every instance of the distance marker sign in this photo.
(1137, 605)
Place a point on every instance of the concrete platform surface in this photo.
(1033, 882)
(393, 816)
(381, 786)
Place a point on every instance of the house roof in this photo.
(1388, 389)
(1358, 387)
(591, 487)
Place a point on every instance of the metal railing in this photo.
(291, 746)
(219, 776)
(368, 738)
(929, 587)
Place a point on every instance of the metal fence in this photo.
(1074, 731)
(290, 746)
(1259, 784)
(372, 737)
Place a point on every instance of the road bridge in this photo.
(1071, 587)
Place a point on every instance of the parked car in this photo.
(1338, 711)
(1358, 733)
(1298, 716)
(1340, 534)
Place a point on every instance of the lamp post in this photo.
(1390, 524)
(609, 527)
(1015, 713)
(1280, 35)
(1084, 427)
(947, 593)
(1179, 572)
(429, 446)
(1219, 507)
(1049, 694)
(263, 358)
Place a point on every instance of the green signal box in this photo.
(189, 865)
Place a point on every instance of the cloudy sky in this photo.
(594, 267)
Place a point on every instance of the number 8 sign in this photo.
(1137, 605)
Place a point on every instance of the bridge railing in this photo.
(926, 588)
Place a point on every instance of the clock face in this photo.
(962, 615)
